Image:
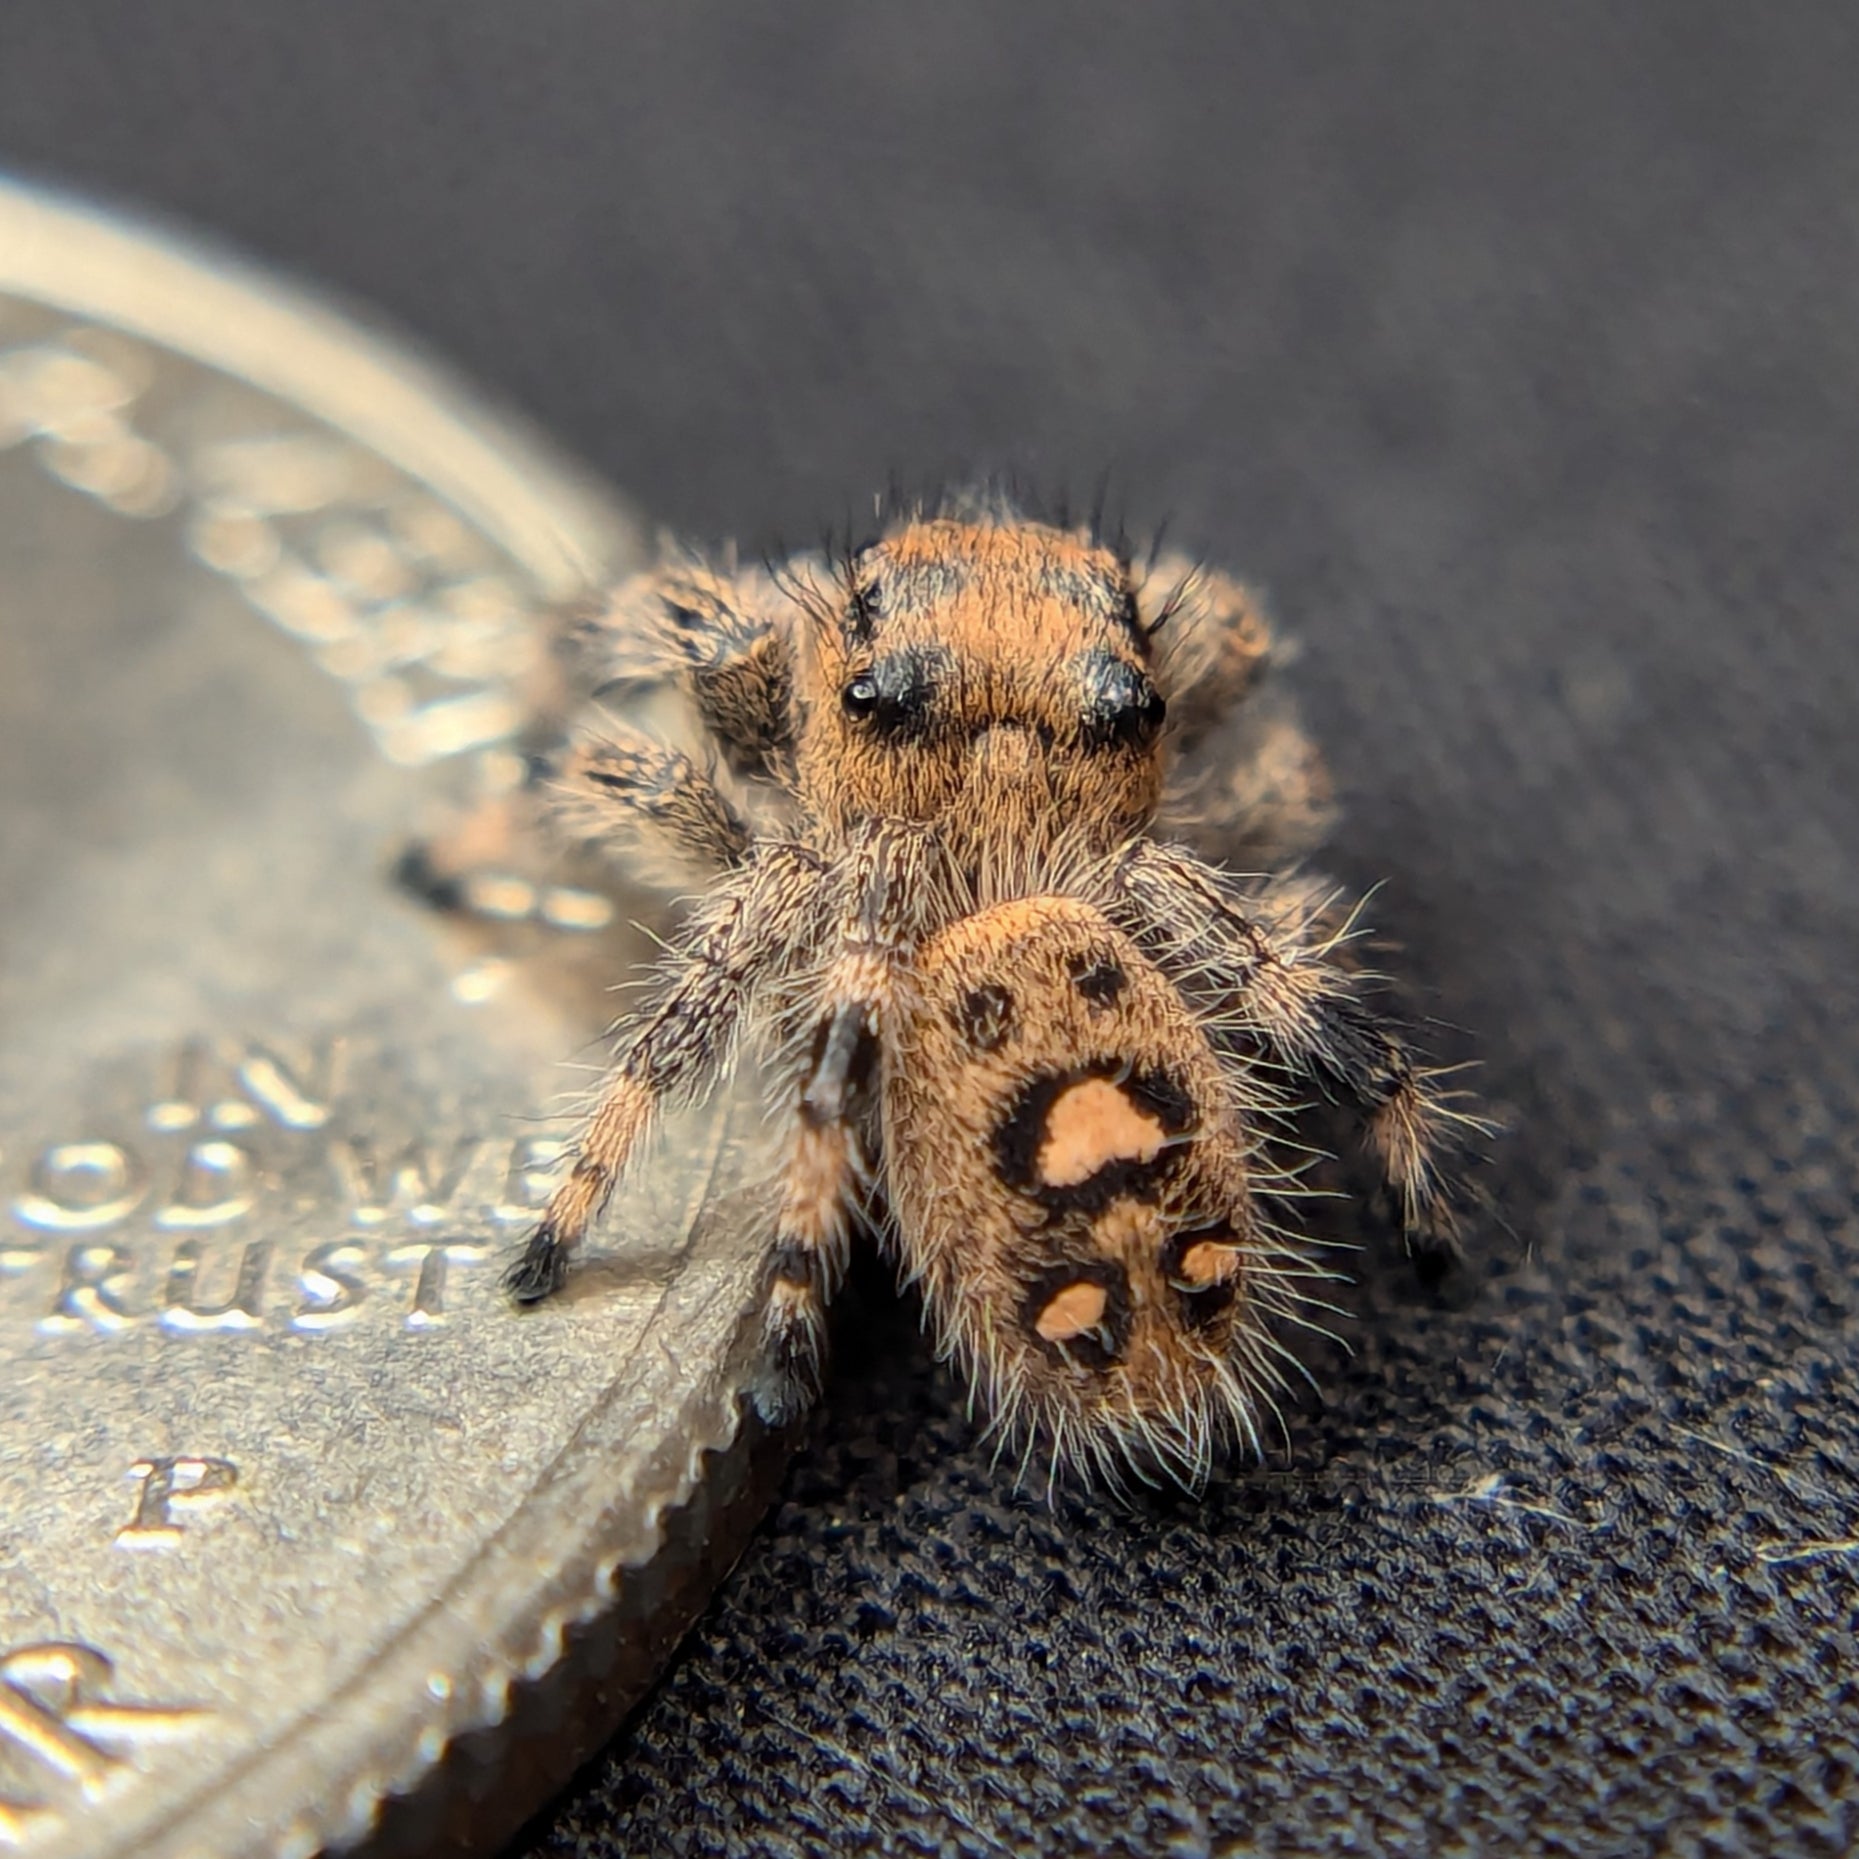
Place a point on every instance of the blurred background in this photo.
(1515, 355)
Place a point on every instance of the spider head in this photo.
(983, 672)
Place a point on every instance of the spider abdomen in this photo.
(1073, 1175)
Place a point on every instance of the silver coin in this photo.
(298, 1520)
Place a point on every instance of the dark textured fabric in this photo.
(1515, 352)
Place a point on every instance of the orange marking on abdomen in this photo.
(1077, 1309)
(1090, 1125)
(1205, 1263)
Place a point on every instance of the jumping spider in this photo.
(947, 814)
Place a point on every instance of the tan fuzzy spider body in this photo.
(953, 811)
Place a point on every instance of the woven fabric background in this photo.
(1515, 353)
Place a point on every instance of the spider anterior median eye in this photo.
(860, 697)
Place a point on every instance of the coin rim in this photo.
(185, 293)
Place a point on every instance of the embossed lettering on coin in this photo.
(164, 1484)
(63, 1733)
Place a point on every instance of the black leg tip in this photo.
(780, 1398)
(540, 1272)
(1433, 1264)
(414, 871)
(1434, 1245)
(793, 1372)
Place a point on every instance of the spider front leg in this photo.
(751, 923)
(883, 919)
(1212, 643)
(1275, 984)
(717, 630)
(643, 805)
(1255, 792)
(625, 796)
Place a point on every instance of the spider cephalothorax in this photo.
(954, 806)
(966, 672)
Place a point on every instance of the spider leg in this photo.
(889, 899)
(883, 920)
(649, 807)
(1274, 982)
(812, 1239)
(733, 941)
(1211, 642)
(1255, 792)
(714, 629)
(629, 797)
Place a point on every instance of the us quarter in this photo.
(306, 1539)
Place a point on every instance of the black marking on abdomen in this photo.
(1098, 976)
(984, 1017)
(1098, 1348)
(1200, 1304)
(1021, 1134)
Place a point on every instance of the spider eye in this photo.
(1122, 708)
(1150, 713)
(895, 696)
